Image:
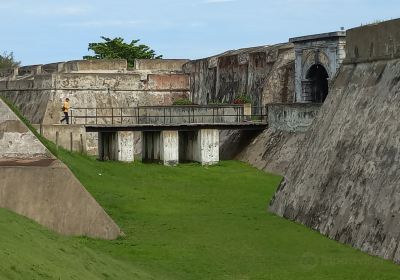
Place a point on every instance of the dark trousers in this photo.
(66, 118)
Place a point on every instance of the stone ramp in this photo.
(272, 150)
(345, 180)
(35, 184)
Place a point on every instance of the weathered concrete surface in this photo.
(272, 150)
(208, 146)
(232, 142)
(295, 117)
(345, 181)
(126, 145)
(16, 140)
(265, 73)
(69, 136)
(169, 147)
(382, 42)
(34, 184)
(160, 64)
(53, 197)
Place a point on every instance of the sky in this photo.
(44, 31)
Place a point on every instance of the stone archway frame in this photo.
(313, 57)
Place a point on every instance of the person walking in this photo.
(65, 109)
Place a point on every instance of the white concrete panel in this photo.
(126, 146)
(170, 147)
(208, 146)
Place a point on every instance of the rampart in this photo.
(344, 181)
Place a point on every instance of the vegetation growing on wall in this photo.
(117, 48)
(242, 99)
(7, 60)
(182, 101)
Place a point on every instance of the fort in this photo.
(323, 115)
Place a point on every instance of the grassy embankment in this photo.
(188, 222)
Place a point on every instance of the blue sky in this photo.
(43, 31)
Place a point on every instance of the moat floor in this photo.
(188, 222)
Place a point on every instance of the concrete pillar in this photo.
(298, 75)
(207, 146)
(126, 144)
(169, 148)
(247, 111)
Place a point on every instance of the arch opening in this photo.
(317, 78)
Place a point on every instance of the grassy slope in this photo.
(211, 223)
(28, 251)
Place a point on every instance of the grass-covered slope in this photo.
(188, 222)
(28, 251)
(192, 222)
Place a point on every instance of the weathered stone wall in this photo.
(35, 184)
(39, 94)
(272, 150)
(16, 140)
(160, 64)
(264, 73)
(344, 182)
(69, 136)
(382, 42)
(296, 117)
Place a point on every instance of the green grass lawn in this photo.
(188, 222)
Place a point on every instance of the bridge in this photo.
(170, 134)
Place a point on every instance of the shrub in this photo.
(242, 99)
(182, 101)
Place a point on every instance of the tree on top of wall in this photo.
(7, 60)
(117, 48)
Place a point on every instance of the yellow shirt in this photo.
(66, 106)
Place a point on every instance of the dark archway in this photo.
(318, 77)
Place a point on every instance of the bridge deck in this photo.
(180, 127)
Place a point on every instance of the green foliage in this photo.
(7, 60)
(242, 99)
(182, 101)
(117, 48)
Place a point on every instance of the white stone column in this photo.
(169, 148)
(298, 75)
(208, 146)
(126, 144)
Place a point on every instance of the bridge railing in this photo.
(189, 114)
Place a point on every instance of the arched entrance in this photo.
(317, 78)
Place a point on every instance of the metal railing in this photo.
(190, 114)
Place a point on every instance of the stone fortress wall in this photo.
(38, 91)
(344, 181)
(264, 73)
